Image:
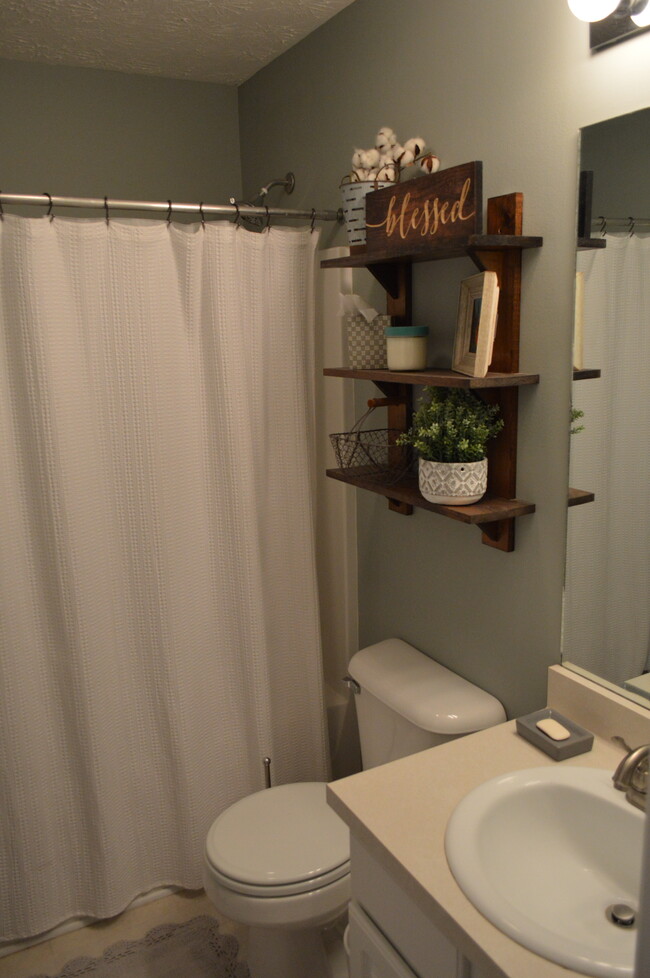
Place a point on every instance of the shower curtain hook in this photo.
(603, 225)
(268, 218)
(169, 213)
(106, 210)
(237, 215)
(313, 218)
(49, 210)
(202, 215)
(2, 213)
(631, 226)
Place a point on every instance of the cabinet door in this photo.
(427, 951)
(373, 956)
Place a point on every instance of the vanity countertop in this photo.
(399, 811)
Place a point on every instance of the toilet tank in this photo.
(408, 702)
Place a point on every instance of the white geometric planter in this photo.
(453, 483)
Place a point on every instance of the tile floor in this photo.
(49, 957)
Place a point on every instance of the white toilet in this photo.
(278, 860)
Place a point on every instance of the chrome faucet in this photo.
(631, 776)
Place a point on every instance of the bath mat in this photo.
(194, 949)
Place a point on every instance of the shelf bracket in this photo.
(395, 278)
(500, 535)
(405, 509)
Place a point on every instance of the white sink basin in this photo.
(543, 853)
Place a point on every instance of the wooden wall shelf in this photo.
(499, 250)
(428, 252)
(585, 374)
(579, 496)
(435, 378)
(584, 244)
(488, 510)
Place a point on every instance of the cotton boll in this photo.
(385, 139)
(388, 171)
(370, 159)
(430, 163)
(356, 159)
(387, 168)
(415, 146)
(361, 173)
(406, 157)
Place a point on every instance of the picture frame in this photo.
(476, 326)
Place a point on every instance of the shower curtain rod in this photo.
(167, 207)
(601, 223)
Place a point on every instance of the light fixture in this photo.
(612, 20)
(592, 10)
(642, 17)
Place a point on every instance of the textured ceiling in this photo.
(223, 41)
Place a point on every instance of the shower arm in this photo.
(259, 200)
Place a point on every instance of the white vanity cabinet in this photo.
(389, 936)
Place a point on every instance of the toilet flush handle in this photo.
(352, 684)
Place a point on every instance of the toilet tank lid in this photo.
(422, 691)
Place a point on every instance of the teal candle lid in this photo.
(406, 331)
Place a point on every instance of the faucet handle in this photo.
(631, 776)
(639, 778)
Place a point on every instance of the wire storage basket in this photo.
(371, 453)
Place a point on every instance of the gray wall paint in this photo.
(509, 83)
(83, 132)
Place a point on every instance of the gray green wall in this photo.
(83, 132)
(509, 83)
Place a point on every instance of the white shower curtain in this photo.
(159, 630)
(607, 603)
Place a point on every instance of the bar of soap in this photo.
(538, 728)
(553, 729)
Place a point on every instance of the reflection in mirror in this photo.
(606, 630)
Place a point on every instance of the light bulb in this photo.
(642, 19)
(592, 10)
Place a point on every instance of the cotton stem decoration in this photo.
(387, 158)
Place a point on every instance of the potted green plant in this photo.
(450, 430)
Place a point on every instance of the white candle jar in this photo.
(406, 347)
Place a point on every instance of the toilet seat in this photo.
(279, 842)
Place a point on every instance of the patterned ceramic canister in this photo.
(453, 483)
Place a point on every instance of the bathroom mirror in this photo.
(606, 633)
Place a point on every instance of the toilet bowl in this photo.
(278, 861)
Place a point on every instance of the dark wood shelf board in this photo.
(579, 496)
(585, 374)
(586, 243)
(428, 252)
(497, 242)
(488, 510)
(434, 377)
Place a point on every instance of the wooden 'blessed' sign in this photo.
(444, 209)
